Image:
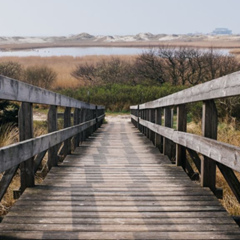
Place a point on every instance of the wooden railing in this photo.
(205, 151)
(29, 152)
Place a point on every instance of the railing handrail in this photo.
(14, 90)
(148, 118)
(226, 86)
(30, 151)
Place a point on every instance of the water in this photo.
(73, 51)
(82, 51)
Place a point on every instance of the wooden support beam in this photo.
(25, 123)
(38, 160)
(152, 119)
(158, 120)
(83, 119)
(167, 146)
(181, 126)
(231, 179)
(67, 123)
(76, 122)
(6, 180)
(209, 130)
(196, 159)
(52, 127)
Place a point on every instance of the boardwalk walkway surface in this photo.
(118, 186)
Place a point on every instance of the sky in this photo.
(116, 17)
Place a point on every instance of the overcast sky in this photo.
(116, 17)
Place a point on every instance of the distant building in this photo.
(222, 31)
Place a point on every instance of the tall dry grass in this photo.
(227, 133)
(63, 66)
(8, 135)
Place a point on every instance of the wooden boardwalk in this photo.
(118, 186)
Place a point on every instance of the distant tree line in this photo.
(159, 68)
(177, 66)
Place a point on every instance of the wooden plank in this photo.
(14, 90)
(209, 130)
(181, 126)
(38, 160)
(96, 214)
(222, 87)
(67, 123)
(231, 179)
(25, 124)
(158, 138)
(121, 235)
(224, 153)
(16, 153)
(116, 221)
(6, 180)
(52, 127)
(167, 147)
(121, 228)
(77, 121)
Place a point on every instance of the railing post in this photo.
(67, 123)
(147, 119)
(83, 119)
(25, 124)
(76, 122)
(181, 126)
(158, 120)
(138, 115)
(167, 145)
(52, 126)
(209, 130)
(152, 120)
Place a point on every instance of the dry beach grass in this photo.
(63, 66)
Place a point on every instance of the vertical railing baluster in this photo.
(25, 124)
(67, 123)
(158, 120)
(52, 126)
(76, 122)
(181, 126)
(209, 130)
(167, 145)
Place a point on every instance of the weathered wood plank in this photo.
(209, 130)
(121, 235)
(25, 124)
(181, 126)
(224, 153)
(14, 90)
(222, 87)
(121, 228)
(52, 127)
(116, 221)
(17, 153)
(6, 180)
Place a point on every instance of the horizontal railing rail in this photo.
(155, 120)
(28, 153)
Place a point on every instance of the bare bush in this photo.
(149, 66)
(11, 69)
(105, 72)
(40, 76)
